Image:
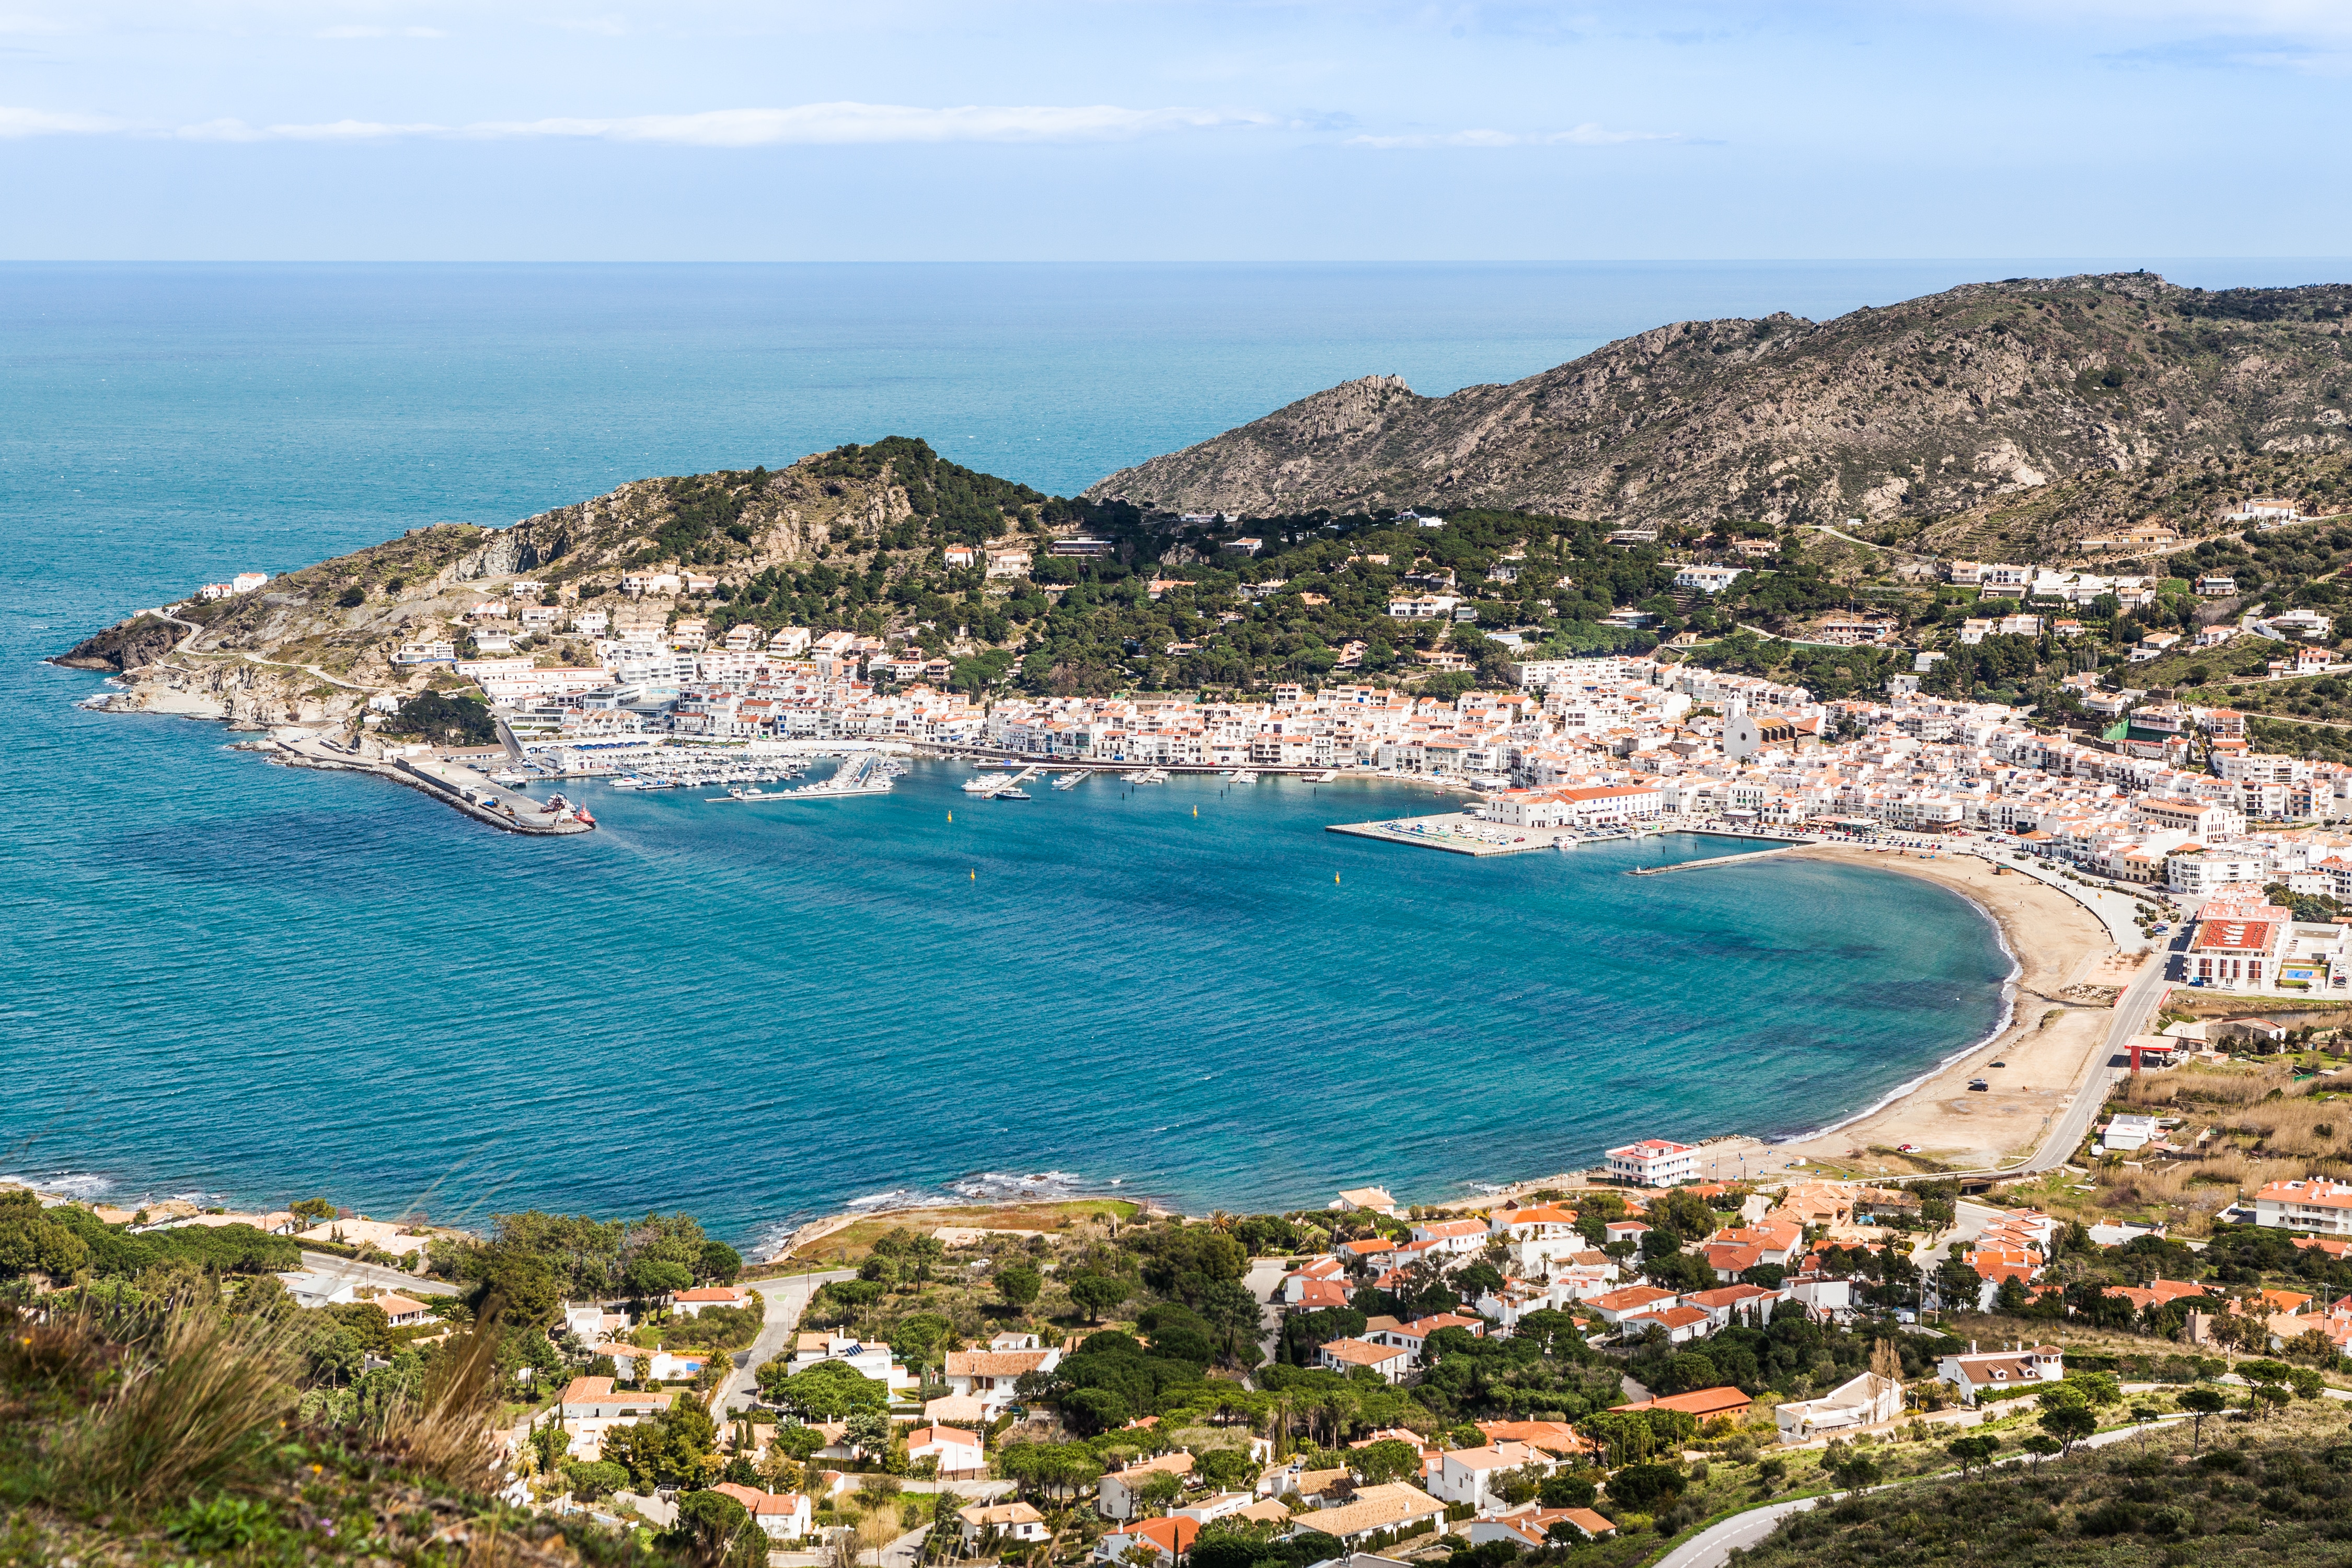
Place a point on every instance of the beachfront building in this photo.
(1653, 1163)
(2313, 1203)
(1366, 1200)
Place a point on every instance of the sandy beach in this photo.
(2061, 1017)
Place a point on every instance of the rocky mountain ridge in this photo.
(1905, 414)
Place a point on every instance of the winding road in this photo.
(1713, 1547)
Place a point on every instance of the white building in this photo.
(2323, 1208)
(989, 1375)
(1865, 1401)
(1653, 1163)
(2016, 1367)
(1706, 579)
(1468, 1475)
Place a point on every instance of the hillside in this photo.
(1940, 409)
(310, 645)
(2272, 1487)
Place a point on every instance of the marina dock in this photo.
(1459, 833)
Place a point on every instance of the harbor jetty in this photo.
(1705, 860)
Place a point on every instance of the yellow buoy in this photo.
(975, 875)
(1335, 878)
(1196, 811)
(951, 816)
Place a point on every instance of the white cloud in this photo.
(813, 124)
(41, 122)
(1586, 135)
(355, 30)
(835, 125)
(354, 130)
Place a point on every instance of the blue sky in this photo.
(714, 130)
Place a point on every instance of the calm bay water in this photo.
(260, 984)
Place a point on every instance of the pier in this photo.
(1707, 860)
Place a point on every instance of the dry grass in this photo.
(446, 1430)
(195, 1394)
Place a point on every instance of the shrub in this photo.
(1644, 1487)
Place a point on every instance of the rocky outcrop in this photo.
(1921, 410)
(128, 645)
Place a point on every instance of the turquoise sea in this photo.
(229, 978)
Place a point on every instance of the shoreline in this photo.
(2046, 1038)
(2053, 943)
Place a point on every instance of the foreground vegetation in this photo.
(142, 1429)
(2274, 1488)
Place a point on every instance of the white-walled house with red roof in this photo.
(1653, 1163)
(2312, 1204)
(1452, 1236)
(690, 1303)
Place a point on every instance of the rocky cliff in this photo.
(1921, 411)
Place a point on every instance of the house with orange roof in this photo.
(1389, 1363)
(1004, 1520)
(1773, 1241)
(1530, 1527)
(958, 1454)
(1414, 1336)
(2155, 1293)
(2017, 1367)
(402, 1312)
(2311, 1204)
(1544, 1220)
(990, 1375)
(1115, 1494)
(690, 1303)
(589, 1408)
(1554, 1438)
(1460, 1236)
(1166, 1539)
(1681, 1324)
(1618, 1305)
(1703, 1403)
(1469, 1475)
(1727, 1304)
(1370, 1247)
(1314, 1270)
(781, 1516)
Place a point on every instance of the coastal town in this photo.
(1599, 1365)
(2118, 1218)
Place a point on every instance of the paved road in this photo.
(787, 1298)
(330, 1267)
(1712, 1547)
(1264, 1278)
